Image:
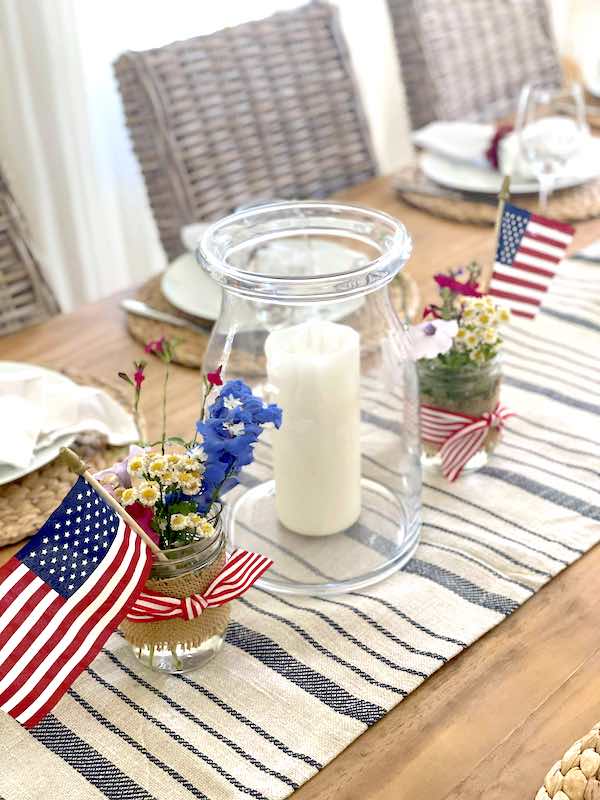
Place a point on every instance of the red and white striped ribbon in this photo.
(237, 576)
(459, 435)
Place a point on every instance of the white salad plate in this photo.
(8, 472)
(190, 289)
(465, 177)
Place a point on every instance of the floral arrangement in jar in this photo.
(174, 490)
(457, 349)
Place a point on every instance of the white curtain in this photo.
(64, 145)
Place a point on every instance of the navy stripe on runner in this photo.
(572, 318)
(521, 435)
(338, 628)
(495, 533)
(503, 457)
(319, 686)
(200, 688)
(88, 762)
(548, 374)
(545, 492)
(157, 723)
(526, 332)
(402, 615)
(500, 553)
(462, 587)
(527, 346)
(342, 661)
(137, 746)
(562, 432)
(482, 565)
(565, 399)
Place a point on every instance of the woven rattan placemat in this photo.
(567, 205)
(26, 503)
(192, 344)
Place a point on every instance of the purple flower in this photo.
(430, 339)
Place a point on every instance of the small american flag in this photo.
(530, 248)
(61, 596)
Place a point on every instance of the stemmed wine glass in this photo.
(551, 128)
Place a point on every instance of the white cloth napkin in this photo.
(459, 141)
(37, 408)
(467, 142)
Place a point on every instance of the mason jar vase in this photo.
(176, 645)
(334, 495)
(473, 390)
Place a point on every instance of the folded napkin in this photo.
(459, 141)
(37, 408)
(467, 142)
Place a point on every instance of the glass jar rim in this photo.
(194, 555)
(301, 218)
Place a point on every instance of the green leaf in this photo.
(183, 507)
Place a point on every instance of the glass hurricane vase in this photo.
(333, 496)
(473, 390)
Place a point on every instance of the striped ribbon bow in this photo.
(237, 576)
(459, 435)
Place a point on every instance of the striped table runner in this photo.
(300, 678)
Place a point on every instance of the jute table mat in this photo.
(26, 503)
(567, 205)
(192, 344)
(299, 677)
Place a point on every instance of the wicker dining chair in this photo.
(468, 59)
(265, 109)
(25, 297)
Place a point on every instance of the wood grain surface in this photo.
(489, 723)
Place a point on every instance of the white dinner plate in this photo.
(469, 178)
(44, 455)
(190, 289)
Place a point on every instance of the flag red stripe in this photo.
(7, 630)
(15, 590)
(10, 566)
(553, 223)
(527, 251)
(36, 657)
(538, 287)
(546, 273)
(512, 296)
(109, 626)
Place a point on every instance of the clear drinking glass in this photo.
(551, 127)
(333, 497)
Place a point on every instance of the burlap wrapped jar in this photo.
(178, 645)
(472, 390)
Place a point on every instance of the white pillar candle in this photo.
(314, 371)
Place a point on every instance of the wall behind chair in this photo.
(63, 140)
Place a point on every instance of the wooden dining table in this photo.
(489, 723)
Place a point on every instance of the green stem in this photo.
(164, 409)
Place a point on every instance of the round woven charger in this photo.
(577, 775)
(25, 504)
(192, 344)
(567, 205)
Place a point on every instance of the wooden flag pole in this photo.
(79, 466)
(503, 196)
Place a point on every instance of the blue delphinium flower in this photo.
(229, 432)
